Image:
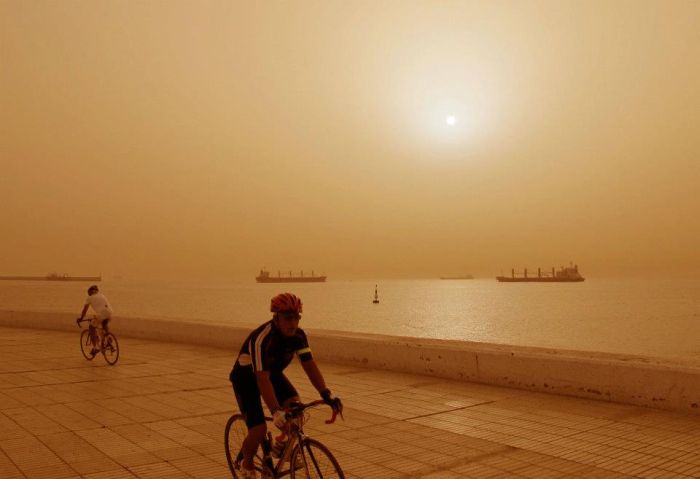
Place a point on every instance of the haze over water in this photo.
(639, 317)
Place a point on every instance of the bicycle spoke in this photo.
(234, 434)
(86, 345)
(317, 462)
(110, 349)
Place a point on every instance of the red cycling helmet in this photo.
(285, 302)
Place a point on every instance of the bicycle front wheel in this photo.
(110, 349)
(313, 460)
(86, 345)
(234, 434)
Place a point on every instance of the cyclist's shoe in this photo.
(248, 474)
(93, 352)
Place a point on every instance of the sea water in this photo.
(640, 317)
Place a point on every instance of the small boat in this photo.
(376, 295)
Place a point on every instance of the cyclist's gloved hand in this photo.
(279, 418)
(334, 402)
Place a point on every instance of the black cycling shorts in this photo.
(245, 387)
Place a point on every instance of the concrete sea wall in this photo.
(643, 381)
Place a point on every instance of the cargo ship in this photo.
(265, 277)
(466, 276)
(52, 277)
(566, 274)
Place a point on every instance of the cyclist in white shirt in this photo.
(103, 311)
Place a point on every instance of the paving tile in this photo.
(161, 412)
(8, 470)
(159, 470)
(98, 413)
(67, 417)
(33, 421)
(57, 471)
(202, 466)
(33, 458)
(8, 402)
(71, 448)
(120, 473)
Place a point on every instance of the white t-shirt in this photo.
(99, 305)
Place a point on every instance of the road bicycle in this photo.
(91, 340)
(301, 458)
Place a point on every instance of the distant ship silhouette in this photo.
(52, 277)
(265, 277)
(566, 274)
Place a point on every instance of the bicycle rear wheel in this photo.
(234, 434)
(110, 349)
(313, 460)
(86, 345)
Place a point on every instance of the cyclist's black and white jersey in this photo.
(267, 349)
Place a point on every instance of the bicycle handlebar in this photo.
(296, 409)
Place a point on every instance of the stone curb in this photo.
(642, 381)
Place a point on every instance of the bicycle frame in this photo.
(100, 339)
(296, 438)
(96, 332)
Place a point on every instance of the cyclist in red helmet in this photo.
(258, 371)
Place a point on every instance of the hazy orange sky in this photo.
(212, 138)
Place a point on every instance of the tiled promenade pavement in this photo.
(160, 413)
